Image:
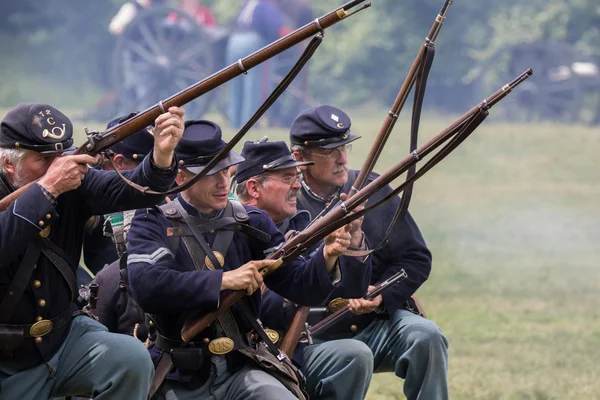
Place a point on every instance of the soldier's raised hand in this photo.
(336, 243)
(168, 131)
(66, 173)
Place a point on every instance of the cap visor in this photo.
(350, 138)
(232, 159)
(292, 164)
(68, 151)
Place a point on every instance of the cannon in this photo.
(162, 51)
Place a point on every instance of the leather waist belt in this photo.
(217, 346)
(40, 328)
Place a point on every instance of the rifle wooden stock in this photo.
(290, 339)
(392, 117)
(99, 142)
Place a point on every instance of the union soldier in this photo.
(269, 179)
(185, 254)
(402, 342)
(47, 350)
(106, 244)
(99, 242)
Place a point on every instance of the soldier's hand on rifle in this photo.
(247, 277)
(66, 173)
(362, 306)
(336, 243)
(355, 226)
(167, 133)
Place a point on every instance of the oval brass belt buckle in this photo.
(40, 328)
(337, 304)
(222, 345)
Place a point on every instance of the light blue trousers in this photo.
(338, 369)
(249, 383)
(244, 92)
(91, 362)
(415, 349)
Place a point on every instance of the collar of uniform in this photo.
(194, 211)
(315, 196)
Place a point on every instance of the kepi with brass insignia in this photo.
(37, 127)
(323, 126)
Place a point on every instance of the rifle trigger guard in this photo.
(241, 67)
(319, 27)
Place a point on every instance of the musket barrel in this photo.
(392, 117)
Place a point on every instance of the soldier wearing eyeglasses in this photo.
(269, 179)
(402, 341)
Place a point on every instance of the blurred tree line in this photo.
(67, 42)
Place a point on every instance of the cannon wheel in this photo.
(554, 92)
(161, 52)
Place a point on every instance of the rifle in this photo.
(98, 142)
(332, 319)
(345, 213)
(418, 74)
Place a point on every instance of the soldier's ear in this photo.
(120, 161)
(181, 177)
(8, 166)
(252, 187)
(298, 156)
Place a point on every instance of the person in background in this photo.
(258, 23)
(99, 241)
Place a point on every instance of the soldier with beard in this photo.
(402, 341)
(269, 179)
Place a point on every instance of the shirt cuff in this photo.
(164, 172)
(336, 275)
(48, 195)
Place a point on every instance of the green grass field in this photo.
(512, 221)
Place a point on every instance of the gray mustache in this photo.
(341, 168)
(292, 194)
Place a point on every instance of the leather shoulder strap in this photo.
(239, 212)
(171, 210)
(19, 282)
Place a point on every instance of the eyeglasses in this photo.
(335, 153)
(289, 180)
